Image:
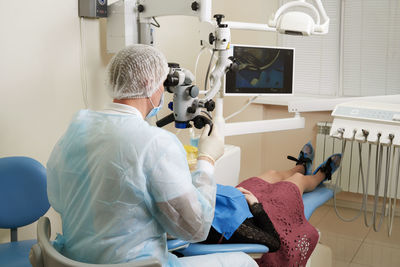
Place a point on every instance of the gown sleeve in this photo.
(185, 201)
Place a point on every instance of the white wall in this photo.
(276, 146)
(40, 78)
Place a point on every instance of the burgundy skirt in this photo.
(283, 203)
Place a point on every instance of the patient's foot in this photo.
(305, 158)
(329, 166)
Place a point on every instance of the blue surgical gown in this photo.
(121, 184)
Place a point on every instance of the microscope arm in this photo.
(158, 8)
(219, 71)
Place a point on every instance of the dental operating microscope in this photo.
(186, 106)
(134, 21)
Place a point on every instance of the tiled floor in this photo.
(355, 245)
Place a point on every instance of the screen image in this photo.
(262, 70)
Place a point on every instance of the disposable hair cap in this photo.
(136, 71)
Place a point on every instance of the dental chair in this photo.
(43, 254)
(23, 199)
(312, 200)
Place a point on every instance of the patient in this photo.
(277, 213)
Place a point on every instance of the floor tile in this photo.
(319, 214)
(332, 224)
(358, 265)
(343, 247)
(355, 245)
(338, 263)
(377, 255)
(382, 238)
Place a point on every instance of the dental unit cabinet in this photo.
(375, 126)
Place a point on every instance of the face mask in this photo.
(155, 110)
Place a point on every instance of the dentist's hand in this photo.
(211, 146)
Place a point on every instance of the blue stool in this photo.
(312, 200)
(23, 200)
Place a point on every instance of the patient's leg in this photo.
(273, 176)
(306, 183)
(304, 160)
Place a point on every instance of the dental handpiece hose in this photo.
(388, 167)
(341, 132)
(395, 197)
(365, 180)
(378, 171)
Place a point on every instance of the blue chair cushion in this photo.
(23, 187)
(16, 254)
(311, 200)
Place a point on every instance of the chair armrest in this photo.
(176, 244)
(52, 258)
(201, 249)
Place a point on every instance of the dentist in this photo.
(121, 184)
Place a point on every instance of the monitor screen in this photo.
(262, 71)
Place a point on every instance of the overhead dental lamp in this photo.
(287, 21)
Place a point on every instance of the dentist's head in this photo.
(138, 72)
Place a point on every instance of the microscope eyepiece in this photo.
(172, 80)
